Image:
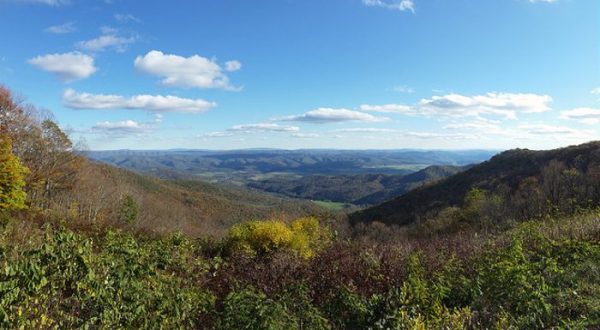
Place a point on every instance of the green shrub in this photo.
(347, 309)
(64, 283)
(128, 212)
(251, 309)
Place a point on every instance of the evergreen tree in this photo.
(128, 212)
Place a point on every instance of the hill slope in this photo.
(242, 166)
(503, 172)
(190, 206)
(362, 189)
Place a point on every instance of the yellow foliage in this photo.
(302, 236)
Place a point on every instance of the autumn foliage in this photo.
(12, 177)
(303, 236)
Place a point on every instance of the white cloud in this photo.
(402, 5)
(505, 105)
(389, 108)
(263, 127)
(305, 135)
(329, 115)
(588, 116)
(558, 133)
(108, 30)
(595, 91)
(232, 66)
(46, 2)
(365, 130)
(403, 89)
(151, 103)
(252, 128)
(217, 134)
(125, 127)
(431, 135)
(480, 125)
(543, 1)
(108, 40)
(68, 67)
(125, 18)
(193, 71)
(68, 27)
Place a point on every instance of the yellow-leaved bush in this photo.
(303, 236)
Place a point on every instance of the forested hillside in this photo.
(363, 189)
(516, 184)
(243, 166)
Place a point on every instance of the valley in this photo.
(300, 165)
(352, 177)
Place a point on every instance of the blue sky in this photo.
(382, 74)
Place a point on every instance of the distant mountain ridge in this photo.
(361, 189)
(507, 169)
(241, 166)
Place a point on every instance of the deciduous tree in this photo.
(12, 177)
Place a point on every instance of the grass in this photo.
(334, 206)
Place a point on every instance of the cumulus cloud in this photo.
(390, 108)
(68, 27)
(263, 127)
(555, 131)
(194, 71)
(305, 135)
(505, 105)
(542, 129)
(109, 40)
(482, 125)
(125, 127)
(431, 136)
(595, 91)
(68, 67)
(588, 116)
(329, 115)
(402, 5)
(151, 103)
(232, 66)
(365, 130)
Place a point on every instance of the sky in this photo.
(346, 74)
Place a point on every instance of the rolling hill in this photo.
(193, 207)
(361, 189)
(503, 172)
(242, 166)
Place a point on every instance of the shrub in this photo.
(304, 236)
(347, 309)
(250, 309)
(128, 212)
